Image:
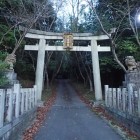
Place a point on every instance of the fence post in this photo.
(30, 100)
(130, 93)
(33, 98)
(106, 95)
(139, 102)
(22, 101)
(35, 94)
(124, 98)
(114, 97)
(110, 97)
(134, 108)
(2, 102)
(26, 99)
(118, 97)
(17, 92)
(10, 105)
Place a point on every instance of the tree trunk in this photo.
(87, 73)
(57, 71)
(47, 79)
(80, 69)
(90, 83)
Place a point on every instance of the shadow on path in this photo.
(70, 119)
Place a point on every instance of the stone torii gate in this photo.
(42, 47)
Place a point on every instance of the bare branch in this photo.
(113, 45)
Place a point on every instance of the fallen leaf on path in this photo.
(41, 114)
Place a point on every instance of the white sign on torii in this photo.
(42, 47)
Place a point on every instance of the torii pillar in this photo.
(40, 67)
(96, 70)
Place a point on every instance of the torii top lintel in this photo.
(37, 34)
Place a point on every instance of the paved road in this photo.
(70, 119)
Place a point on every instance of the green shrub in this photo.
(3, 67)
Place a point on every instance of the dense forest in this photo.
(121, 22)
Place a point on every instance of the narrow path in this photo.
(71, 119)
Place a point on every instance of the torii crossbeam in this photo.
(42, 47)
